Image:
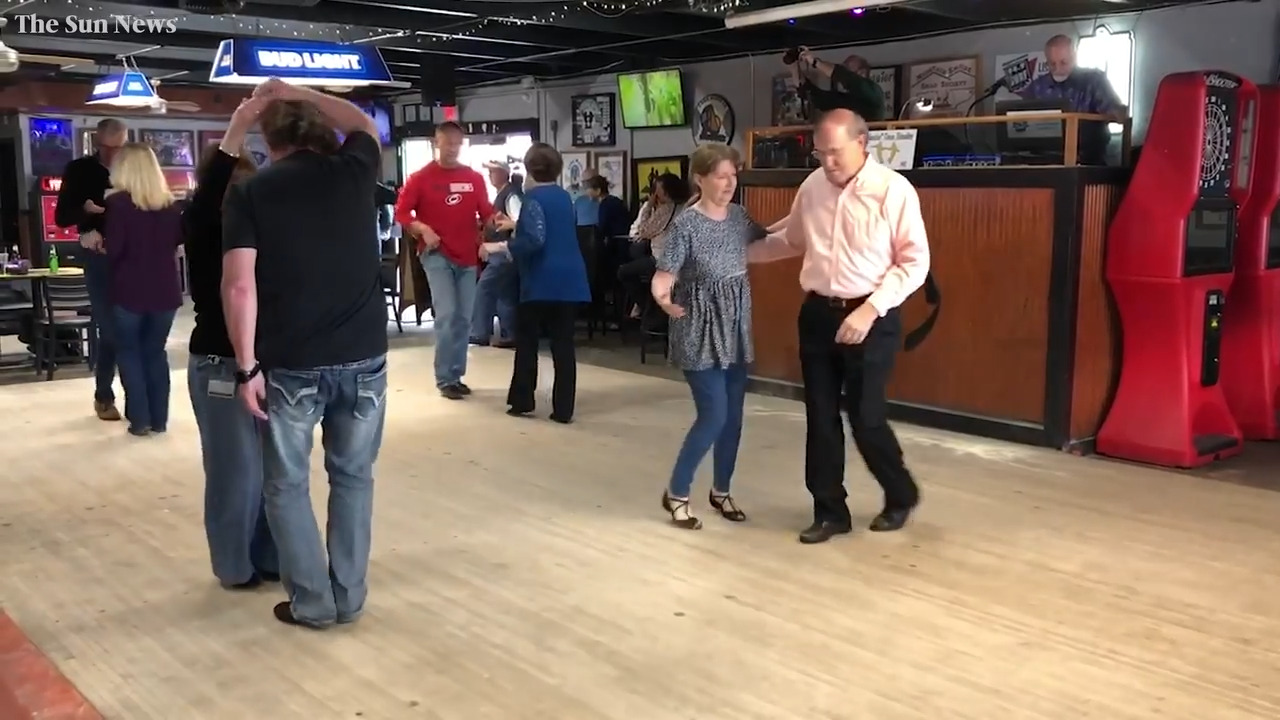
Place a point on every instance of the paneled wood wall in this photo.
(991, 258)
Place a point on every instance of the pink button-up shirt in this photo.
(864, 239)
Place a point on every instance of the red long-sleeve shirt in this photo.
(449, 201)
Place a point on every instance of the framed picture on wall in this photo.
(612, 166)
(950, 84)
(209, 138)
(575, 166)
(890, 81)
(593, 120)
(645, 172)
(173, 148)
(713, 120)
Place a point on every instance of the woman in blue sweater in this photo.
(553, 283)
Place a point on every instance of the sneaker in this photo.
(106, 411)
(453, 392)
(462, 388)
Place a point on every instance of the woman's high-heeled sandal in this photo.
(679, 509)
(727, 508)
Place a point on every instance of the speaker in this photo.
(438, 85)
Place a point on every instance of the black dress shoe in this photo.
(453, 392)
(890, 519)
(822, 531)
(563, 420)
(463, 388)
(284, 613)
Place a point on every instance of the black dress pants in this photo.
(555, 320)
(861, 373)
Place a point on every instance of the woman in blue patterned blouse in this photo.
(701, 283)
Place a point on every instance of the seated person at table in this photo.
(613, 226)
(553, 282)
(141, 236)
(1084, 90)
(669, 196)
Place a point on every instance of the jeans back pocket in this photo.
(371, 392)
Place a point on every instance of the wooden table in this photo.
(43, 274)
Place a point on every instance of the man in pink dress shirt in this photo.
(858, 225)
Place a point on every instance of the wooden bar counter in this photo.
(1025, 346)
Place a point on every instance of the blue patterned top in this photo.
(709, 259)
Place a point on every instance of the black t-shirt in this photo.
(849, 91)
(202, 228)
(310, 217)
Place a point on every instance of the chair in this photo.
(64, 306)
(389, 271)
(654, 325)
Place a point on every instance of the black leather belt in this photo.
(838, 302)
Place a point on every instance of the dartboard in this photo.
(1216, 154)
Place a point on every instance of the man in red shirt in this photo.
(439, 208)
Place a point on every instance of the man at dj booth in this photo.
(1081, 90)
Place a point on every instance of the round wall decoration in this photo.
(713, 120)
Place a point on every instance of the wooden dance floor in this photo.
(523, 570)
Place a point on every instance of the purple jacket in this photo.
(141, 247)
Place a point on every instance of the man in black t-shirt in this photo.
(301, 278)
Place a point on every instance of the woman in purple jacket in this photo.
(141, 235)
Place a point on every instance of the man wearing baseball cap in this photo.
(498, 289)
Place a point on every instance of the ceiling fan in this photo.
(162, 106)
(11, 60)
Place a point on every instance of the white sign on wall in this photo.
(1018, 70)
(894, 149)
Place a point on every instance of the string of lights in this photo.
(234, 24)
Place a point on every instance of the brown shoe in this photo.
(106, 411)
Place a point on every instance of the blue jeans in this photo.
(453, 298)
(719, 395)
(349, 402)
(97, 279)
(497, 293)
(144, 366)
(235, 517)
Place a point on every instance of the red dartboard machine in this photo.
(1251, 324)
(1170, 266)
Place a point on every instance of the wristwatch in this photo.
(243, 377)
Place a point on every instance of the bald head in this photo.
(840, 143)
(858, 64)
(1060, 57)
(848, 121)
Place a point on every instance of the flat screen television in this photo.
(652, 99)
(380, 111)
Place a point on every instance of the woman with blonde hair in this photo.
(241, 546)
(141, 235)
(701, 283)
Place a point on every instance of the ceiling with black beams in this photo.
(498, 41)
